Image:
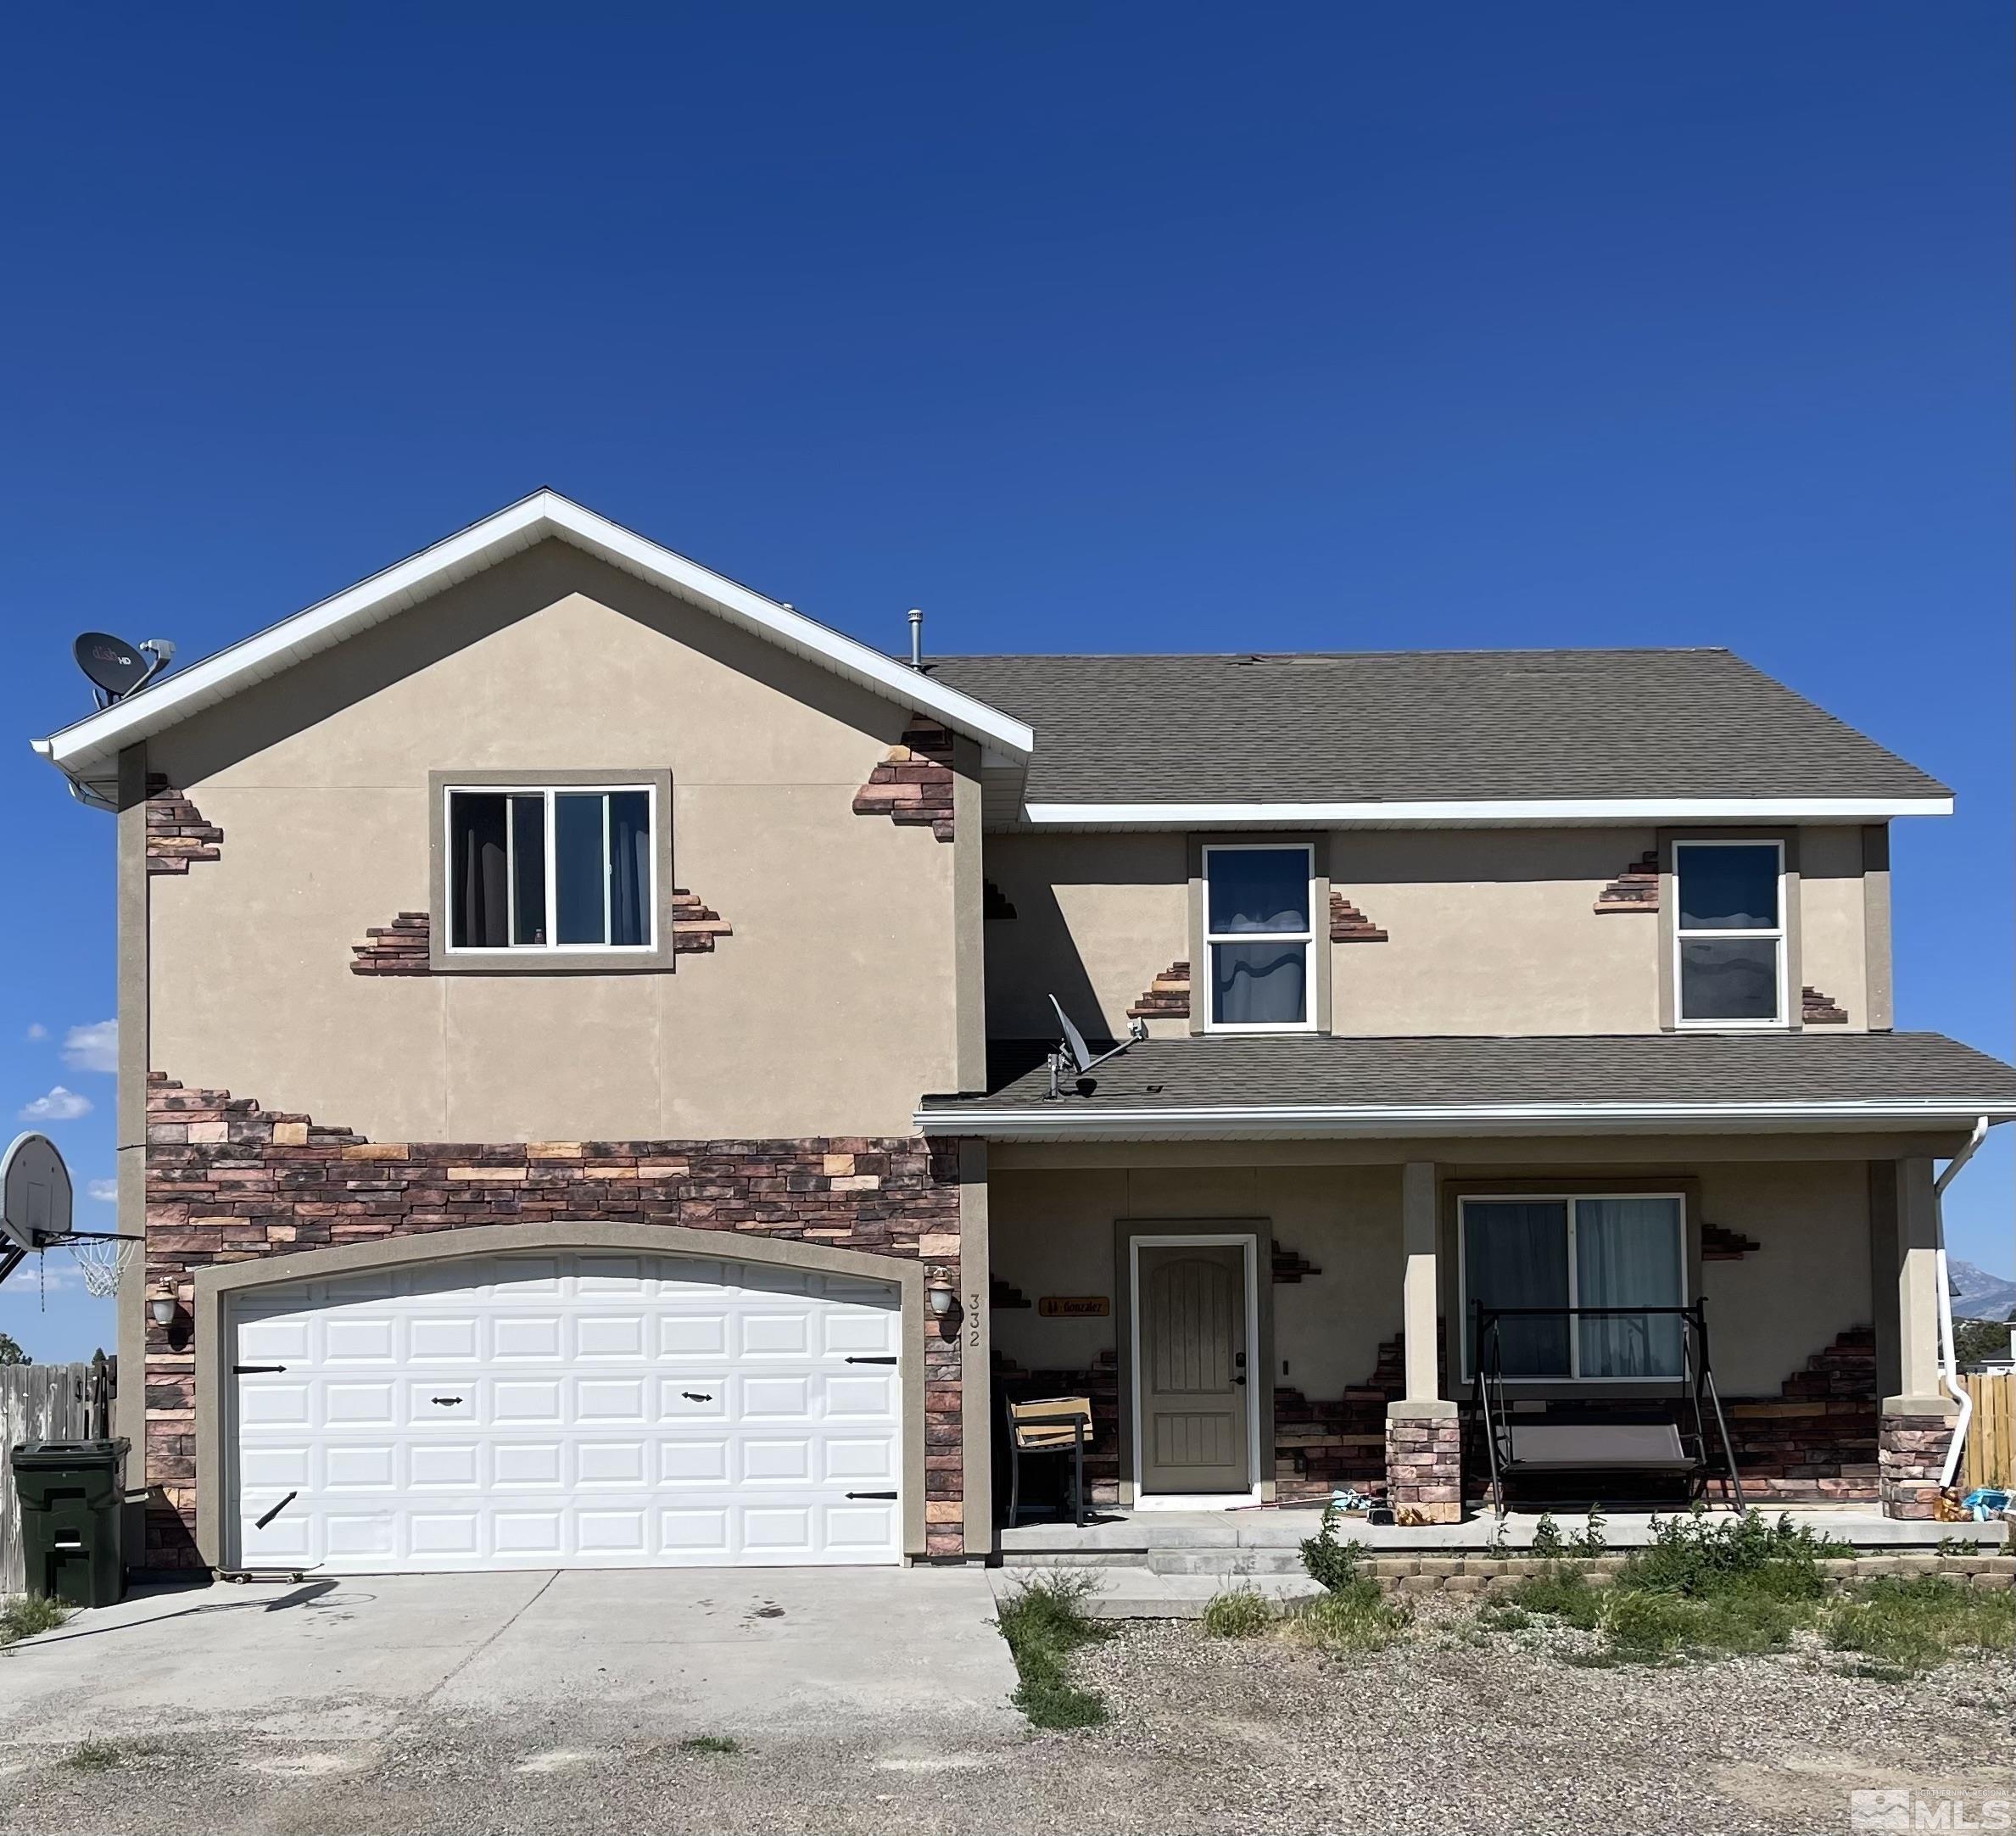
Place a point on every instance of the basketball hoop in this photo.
(104, 1260)
(35, 1218)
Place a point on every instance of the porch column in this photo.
(1917, 1420)
(1424, 1456)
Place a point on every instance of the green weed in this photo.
(1044, 1623)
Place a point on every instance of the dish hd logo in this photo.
(1906, 1810)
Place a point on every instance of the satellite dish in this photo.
(116, 668)
(1074, 1056)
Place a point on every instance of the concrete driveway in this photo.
(663, 1654)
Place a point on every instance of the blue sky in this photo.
(1162, 328)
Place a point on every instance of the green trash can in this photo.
(72, 1494)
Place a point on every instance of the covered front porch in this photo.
(1264, 1315)
(1277, 1328)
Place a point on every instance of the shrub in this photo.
(1548, 1543)
(1563, 1593)
(26, 1614)
(1690, 1556)
(1356, 1617)
(1589, 1540)
(1044, 1623)
(1909, 1626)
(1238, 1613)
(1333, 1566)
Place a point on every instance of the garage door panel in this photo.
(701, 1460)
(539, 1336)
(597, 1410)
(611, 1336)
(519, 1464)
(450, 1342)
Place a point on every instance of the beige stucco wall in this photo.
(1492, 932)
(1053, 1233)
(1097, 918)
(828, 1012)
(1808, 1280)
(1833, 919)
(1489, 931)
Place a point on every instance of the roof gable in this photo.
(90, 747)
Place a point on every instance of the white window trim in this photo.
(1779, 934)
(1307, 938)
(501, 951)
(1570, 1200)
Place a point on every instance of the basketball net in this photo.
(102, 1259)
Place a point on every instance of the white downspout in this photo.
(1949, 1363)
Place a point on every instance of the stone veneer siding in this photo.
(1910, 1452)
(227, 1180)
(1424, 1468)
(176, 832)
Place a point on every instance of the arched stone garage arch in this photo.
(216, 1285)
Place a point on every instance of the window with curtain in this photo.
(551, 868)
(1729, 934)
(1625, 1252)
(1260, 940)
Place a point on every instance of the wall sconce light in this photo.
(162, 1304)
(941, 1295)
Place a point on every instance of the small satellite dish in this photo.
(116, 668)
(1074, 1056)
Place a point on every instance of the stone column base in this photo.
(1911, 1449)
(1424, 1462)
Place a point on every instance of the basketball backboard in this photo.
(35, 1193)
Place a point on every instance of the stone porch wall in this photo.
(228, 1181)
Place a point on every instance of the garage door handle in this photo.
(871, 1361)
(694, 1396)
(871, 1495)
(447, 1402)
(260, 1523)
(247, 1370)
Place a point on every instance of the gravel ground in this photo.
(1451, 1731)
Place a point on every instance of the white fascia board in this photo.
(1067, 1121)
(96, 739)
(1481, 813)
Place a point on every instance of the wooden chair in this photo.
(1055, 1425)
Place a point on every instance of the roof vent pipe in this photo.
(916, 638)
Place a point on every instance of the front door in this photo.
(1192, 1352)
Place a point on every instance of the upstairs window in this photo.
(1260, 941)
(542, 869)
(1730, 936)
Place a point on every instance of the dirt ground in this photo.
(1450, 1732)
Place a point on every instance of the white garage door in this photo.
(567, 1410)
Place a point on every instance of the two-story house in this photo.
(582, 1029)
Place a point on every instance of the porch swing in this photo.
(1654, 1447)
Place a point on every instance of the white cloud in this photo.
(60, 1105)
(36, 1030)
(106, 1192)
(93, 1048)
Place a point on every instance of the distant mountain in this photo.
(1977, 1295)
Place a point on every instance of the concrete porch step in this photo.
(1135, 1593)
(1161, 1561)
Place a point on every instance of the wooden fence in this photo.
(1991, 1457)
(46, 1403)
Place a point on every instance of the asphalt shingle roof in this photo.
(1403, 726)
(1224, 1071)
